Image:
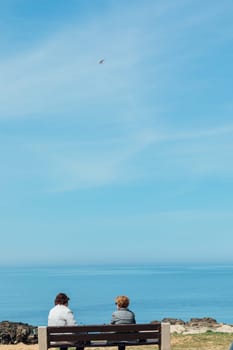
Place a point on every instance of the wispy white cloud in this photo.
(62, 77)
(143, 155)
(151, 125)
(62, 73)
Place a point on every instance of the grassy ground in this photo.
(205, 341)
(202, 341)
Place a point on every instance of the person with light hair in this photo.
(122, 315)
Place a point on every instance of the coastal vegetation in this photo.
(202, 341)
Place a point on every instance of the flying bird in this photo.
(101, 61)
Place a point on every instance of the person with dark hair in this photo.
(122, 315)
(60, 314)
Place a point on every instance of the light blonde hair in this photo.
(122, 301)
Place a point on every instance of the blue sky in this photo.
(127, 161)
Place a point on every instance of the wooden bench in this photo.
(105, 335)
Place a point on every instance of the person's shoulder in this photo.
(131, 311)
(68, 310)
(62, 307)
(53, 308)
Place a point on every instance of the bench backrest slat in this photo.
(105, 328)
(103, 336)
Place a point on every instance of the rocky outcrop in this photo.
(202, 322)
(197, 325)
(15, 332)
(173, 321)
(193, 322)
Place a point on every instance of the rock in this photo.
(17, 332)
(202, 322)
(173, 321)
(177, 329)
(224, 328)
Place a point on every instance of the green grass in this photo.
(205, 341)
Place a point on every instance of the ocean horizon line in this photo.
(117, 264)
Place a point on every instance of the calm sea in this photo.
(27, 293)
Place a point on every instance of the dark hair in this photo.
(61, 299)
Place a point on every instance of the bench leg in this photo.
(166, 340)
(42, 338)
(121, 347)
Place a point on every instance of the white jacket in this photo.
(61, 315)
